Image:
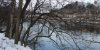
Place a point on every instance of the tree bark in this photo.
(22, 13)
(11, 18)
(17, 35)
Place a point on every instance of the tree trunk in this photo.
(22, 16)
(7, 30)
(11, 17)
(17, 35)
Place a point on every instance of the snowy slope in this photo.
(7, 44)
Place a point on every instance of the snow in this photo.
(8, 44)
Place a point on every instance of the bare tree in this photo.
(17, 35)
(12, 18)
(47, 17)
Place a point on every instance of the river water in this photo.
(71, 40)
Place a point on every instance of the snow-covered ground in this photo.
(8, 44)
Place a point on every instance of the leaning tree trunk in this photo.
(22, 15)
(23, 12)
(17, 35)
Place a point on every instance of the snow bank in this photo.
(7, 44)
